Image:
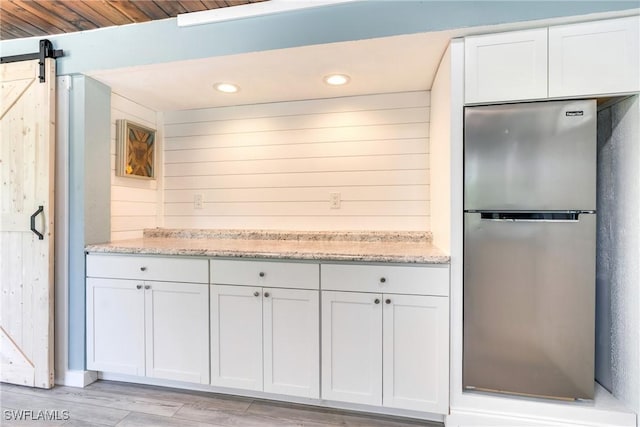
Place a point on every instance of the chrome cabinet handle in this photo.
(143, 268)
(383, 279)
(138, 286)
(261, 274)
(377, 301)
(256, 294)
(387, 301)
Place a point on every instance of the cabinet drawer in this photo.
(161, 269)
(417, 280)
(265, 273)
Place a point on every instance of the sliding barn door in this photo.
(27, 113)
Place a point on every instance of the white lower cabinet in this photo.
(382, 338)
(265, 339)
(386, 349)
(157, 329)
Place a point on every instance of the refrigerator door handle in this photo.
(530, 216)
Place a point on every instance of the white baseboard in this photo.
(477, 419)
(484, 410)
(77, 378)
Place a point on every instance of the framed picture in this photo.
(135, 150)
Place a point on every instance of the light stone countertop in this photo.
(400, 247)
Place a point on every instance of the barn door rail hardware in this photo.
(46, 51)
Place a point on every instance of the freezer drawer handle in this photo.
(531, 216)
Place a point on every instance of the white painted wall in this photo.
(440, 154)
(135, 203)
(273, 166)
(618, 275)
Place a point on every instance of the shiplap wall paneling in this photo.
(135, 203)
(274, 165)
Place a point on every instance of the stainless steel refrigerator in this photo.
(529, 248)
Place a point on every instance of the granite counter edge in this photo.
(315, 256)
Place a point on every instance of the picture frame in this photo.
(135, 150)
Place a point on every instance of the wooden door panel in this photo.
(26, 182)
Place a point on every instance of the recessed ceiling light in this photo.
(226, 87)
(337, 79)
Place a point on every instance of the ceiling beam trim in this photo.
(251, 10)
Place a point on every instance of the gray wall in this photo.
(618, 253)
(163, 41)
(89, 195)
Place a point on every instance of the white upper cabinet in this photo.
(506, 66)
(591, 58)
(585, 59)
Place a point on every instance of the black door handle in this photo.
(33, 222)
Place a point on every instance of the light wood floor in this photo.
(107, 403)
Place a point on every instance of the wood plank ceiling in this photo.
(28, 18)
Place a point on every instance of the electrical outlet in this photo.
(334, 200)
(198, 200)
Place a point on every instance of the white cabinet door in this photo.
(416, 353)
(115, 326)
(177, 331)
(592, 58)
(236, 337)
(291, 325)
(506, 66)
(352, 347)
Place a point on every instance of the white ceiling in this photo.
(383, 65)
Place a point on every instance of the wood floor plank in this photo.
(78, 412)
(202, 399)
(230, 418)
(328, 416)
(295, 412)
(135, 405)
(136, 419)
(147, 405)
